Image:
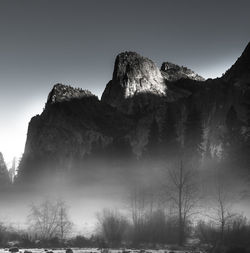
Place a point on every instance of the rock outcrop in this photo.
(241, 68)
(173, 72)
(143, 112)
(133, 75)
(61, 93)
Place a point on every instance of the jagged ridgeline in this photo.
(145, 114)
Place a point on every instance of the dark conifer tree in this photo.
(170, 145)
(246, 145)
(96, 147)
(231, 140)
(232, 122)
(4, 176)
(236, 144)
(122, 148)
(193, 136)
(152, 147)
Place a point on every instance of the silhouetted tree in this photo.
(63, 220)
(182, 192)
(50, 220)
(245, 158)
(138, 209)
(3, 230)
(4, 176)
(233, 141)
(221, 211)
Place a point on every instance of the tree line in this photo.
(173, 213)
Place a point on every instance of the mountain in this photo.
(240, 71)
(144, 113)
(4, 175)
(173, 72)
(62, 93)
(133, 75)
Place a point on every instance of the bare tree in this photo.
(182, 193)
(138, 205)
(112, 226)
(50, 219)
(64, 223)
(221, 211)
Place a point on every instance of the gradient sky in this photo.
(44, 42)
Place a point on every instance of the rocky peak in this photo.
(173, 72)
(133, 74)
(61, 92)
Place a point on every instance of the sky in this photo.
(45, 42)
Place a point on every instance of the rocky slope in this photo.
(240, 69)
(61, 93)
(173, 72)
(143, 111)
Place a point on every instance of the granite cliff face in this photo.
(143, 112)
(133, 75)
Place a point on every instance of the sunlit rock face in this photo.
(61, 93)
(133, 75)
(4, 175)
(173, 72)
